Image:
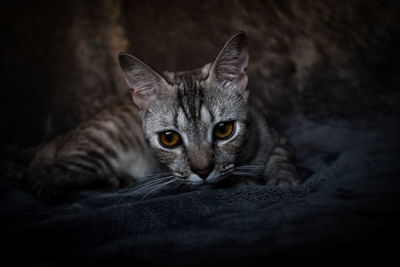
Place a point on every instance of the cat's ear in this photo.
(231, 63)
(144, 82)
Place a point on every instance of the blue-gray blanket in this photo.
(345, 209)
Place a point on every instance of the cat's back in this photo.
(111, 141)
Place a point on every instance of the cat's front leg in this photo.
(280, 169)
(54, 183)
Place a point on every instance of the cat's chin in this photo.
(194, 179)
(212, 179)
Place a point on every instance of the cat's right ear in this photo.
(144, 82)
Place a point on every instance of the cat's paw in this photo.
(48, 193)
(116, 182)
(283, 181)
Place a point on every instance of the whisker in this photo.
(224, 175)
(139, 189)
(249, 170)
(142, 189)
(153, 178)
(151, 181)
(226, 171)
(249, 167)
(246, 173)
(157, 188)
(147, 186)
(157, 174)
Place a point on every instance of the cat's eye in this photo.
(223, 130)
(170, 139)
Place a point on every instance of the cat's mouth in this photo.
(229, 170)
(213, 177)
(219, 174)
(173, 180)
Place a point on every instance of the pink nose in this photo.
(203, 173)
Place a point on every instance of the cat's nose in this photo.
(203, 173)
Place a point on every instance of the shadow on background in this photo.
(59, 57)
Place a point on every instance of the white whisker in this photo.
(142, 187)
(157, 188)
(151, 184)
(249, 170)
(250, 167)
(158, 174)
(153, 177)
(246, 173)
(152, 181)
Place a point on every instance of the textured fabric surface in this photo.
(345, 209)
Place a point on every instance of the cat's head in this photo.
(195, 121)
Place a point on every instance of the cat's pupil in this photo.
(168, 136)
(221, 127)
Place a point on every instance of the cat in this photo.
(192, 128)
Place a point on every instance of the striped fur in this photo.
(121, 145)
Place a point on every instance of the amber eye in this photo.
(170, 139)
(223, 130)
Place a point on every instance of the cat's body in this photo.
(191, 127)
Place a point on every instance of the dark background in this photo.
(329, 74)
(59, 57)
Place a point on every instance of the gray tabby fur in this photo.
(120, 146)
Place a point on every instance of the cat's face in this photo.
(194, 122)
(197, 128)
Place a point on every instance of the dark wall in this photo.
(317, 57)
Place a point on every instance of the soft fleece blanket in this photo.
(345, 209)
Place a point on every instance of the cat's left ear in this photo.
(231, 63)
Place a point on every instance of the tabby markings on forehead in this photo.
(206, 117)
(181, 119)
